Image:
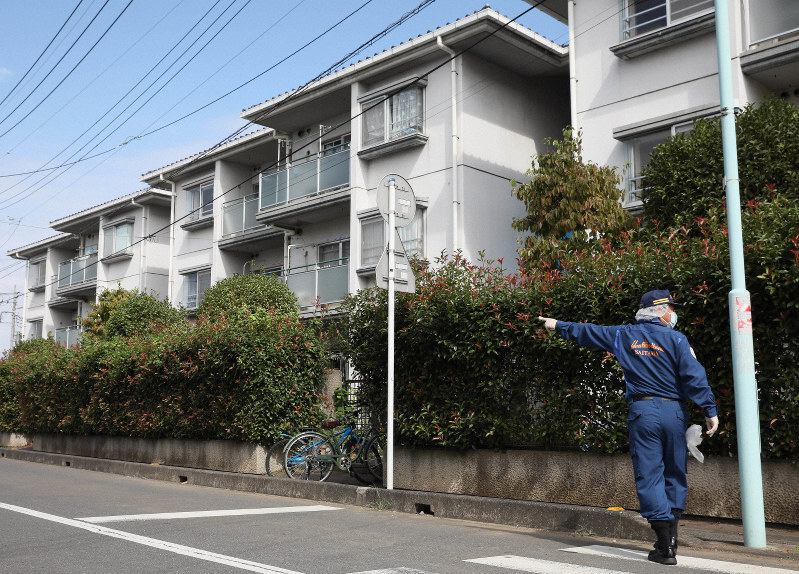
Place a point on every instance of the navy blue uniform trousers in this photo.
(659, 455)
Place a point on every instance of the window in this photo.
(35, 329)
(642, 16)
(195, 284)
(373, 239)
(333, 254)
(393, 117)
(640, 149)
(341, 143)
(200, 201)
(37, 277)
(118, 238)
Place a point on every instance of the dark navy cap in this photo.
(657, 297)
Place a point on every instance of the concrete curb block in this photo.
(541, 515)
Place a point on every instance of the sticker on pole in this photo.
(743, 314)
(404, 200)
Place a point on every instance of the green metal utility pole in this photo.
(743, 358)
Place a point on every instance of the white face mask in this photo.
(673, 321)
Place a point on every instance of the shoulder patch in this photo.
(692, 352)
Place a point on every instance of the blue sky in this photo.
(91, 110)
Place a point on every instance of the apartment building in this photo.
(643, 70)
(458, 112)
(123, 242)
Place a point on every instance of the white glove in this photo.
(712, 425)
(549, 323)
(693, 438)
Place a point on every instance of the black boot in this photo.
(674, 528)
(664, 547)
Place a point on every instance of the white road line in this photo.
(394, 571)
(537, 566)
(682, 561)
(152, 542)
(206, 514)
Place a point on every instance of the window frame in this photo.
(419, 223)
(634, 184)
(198, 207)
(198, 294)
(384, 105)
(35, 329)
(113, 251)
(38, 280)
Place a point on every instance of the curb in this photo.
(621, 524)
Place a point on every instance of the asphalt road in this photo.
(64, 520)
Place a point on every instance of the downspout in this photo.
(572, 67)
(171, 280)
(456, 191)
(142, 255)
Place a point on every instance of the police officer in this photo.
(661, 372)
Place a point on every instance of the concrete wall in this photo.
(589, 479)
(230, 456)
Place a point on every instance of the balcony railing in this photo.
(771, 19)
(77, 270)
(321, 283)
(305, 177)
(68, 336)
(642, 17)
(239, 214)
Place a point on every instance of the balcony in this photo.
(773, 40)
(239, 215)
(77, 275)
(68, 336)
(322, 283)
(304, 185)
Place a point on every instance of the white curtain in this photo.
(374, 123)
(406, 112)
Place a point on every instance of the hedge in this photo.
(475, 369)
(243, 378)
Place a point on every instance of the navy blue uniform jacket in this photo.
(657, 361)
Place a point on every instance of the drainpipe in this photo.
(456, 191)
(142, 247)
(572, 66)
(171, 283)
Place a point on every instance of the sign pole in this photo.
(391, 289)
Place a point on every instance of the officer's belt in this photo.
(651, 398)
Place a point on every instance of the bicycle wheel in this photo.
(301, 461)
(275, 458)
(368, 469)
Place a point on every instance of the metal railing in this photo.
(305, 177)
(77, 270)
(239, 214)
(319, 283)
(68, 336)
(643, 17)
(772, 19)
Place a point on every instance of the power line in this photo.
(50, 93)
(144, 91)
(25, 75)
(56, 64)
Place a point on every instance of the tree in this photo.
(248, 293)
(684, 176)
(567, 201)
(125, 313)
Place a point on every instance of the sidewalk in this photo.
(697, 533)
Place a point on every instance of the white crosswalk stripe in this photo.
(703, 564)
(537, 566)
(207, 513)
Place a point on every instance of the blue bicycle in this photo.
(312, 455)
